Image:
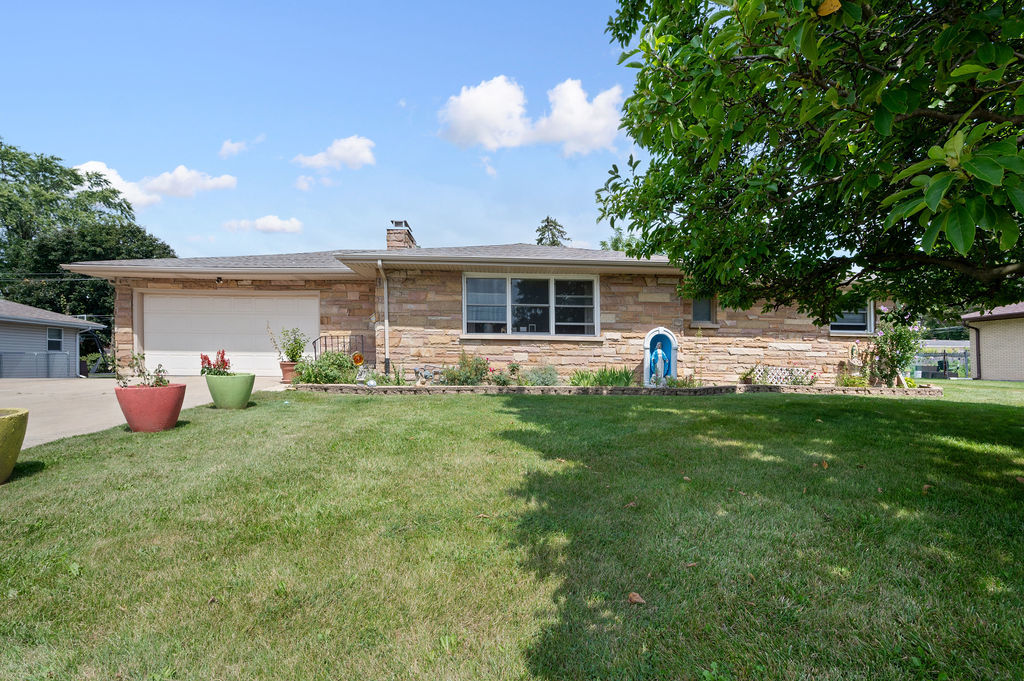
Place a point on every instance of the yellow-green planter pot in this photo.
(12, 434)
(231, 392)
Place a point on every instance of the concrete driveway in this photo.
(59, 407)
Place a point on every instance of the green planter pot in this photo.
(12, 434)
(231, 392)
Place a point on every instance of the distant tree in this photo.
(823, 152)
(620, 241)
(550, 233)
(52, 214)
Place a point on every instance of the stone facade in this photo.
(346, 307)
(425, 310)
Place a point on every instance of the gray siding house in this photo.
(37, 343)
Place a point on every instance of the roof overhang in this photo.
(112, 272)
(80, 324)
(367, 265)
(992, 317)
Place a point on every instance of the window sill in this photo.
(850, 333)
(531, 337)
(705, 325)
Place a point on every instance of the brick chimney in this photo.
(400, 236)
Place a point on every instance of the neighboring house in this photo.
(408, 307)
(37, 343)
(997, 343)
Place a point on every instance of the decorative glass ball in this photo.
(371, 383)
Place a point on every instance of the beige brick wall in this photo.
(1002, 350)
(426, 328)
(345, 306)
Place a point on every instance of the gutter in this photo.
(387, 320)
(186, 272)
(977, 346)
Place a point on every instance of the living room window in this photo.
(703, 310)
(531, 305)
(858, 321)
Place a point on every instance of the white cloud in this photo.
(488, 168)
(229, 148)
(493, 115)
(184, 181)
(353, 152)
(133, 191)
(402, 103)
(181, 181)
(267, 223)
(304, 182)
(580, 126)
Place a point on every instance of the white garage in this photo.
(175, 328)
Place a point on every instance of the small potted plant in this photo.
(153, 403)
(12, 435)
(228, 389)
(290, 349)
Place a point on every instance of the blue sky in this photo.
(257, 128)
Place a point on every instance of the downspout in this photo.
(387, 321)
(977, 347)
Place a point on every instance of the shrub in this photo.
(542, 375)
(502, 377)
(218, 367)
(469, 371)
(106, 363)
(896, 343)
(690, 381)
(847, 380)
(583, 377)
(621, 376)
(137, 365)
(330, 367)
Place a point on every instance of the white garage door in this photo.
(176, 328)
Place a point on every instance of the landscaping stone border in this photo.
(351, 389)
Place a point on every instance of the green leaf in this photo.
(987, 53)
(883, 121)
(1015, 164)
(895, 101)
(937, 189)
(1004, 147)
(968, 69)
(960, 228)
(915, 169)
(808, 43)
(934, 227)
(936, 153)
(854, 10)
(985, 169)
(1009, 229)
(1016, 196)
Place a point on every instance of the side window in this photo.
(55, 340)
(853, 321)
(703, 310)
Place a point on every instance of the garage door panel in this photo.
(178, 328)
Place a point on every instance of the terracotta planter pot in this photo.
(149, 410)
(287, 371)
(231, 392)
(12, 434)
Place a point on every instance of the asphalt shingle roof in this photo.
(1004, 312)
(9, 310)
(500, 251)
(316, 259)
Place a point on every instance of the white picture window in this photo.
(55, 340)
(531, 305)
(856, 321)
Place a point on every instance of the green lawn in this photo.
(497, 537)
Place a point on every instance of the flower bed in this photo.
(351, 389)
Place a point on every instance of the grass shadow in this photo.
(793, 536)
(25, 469)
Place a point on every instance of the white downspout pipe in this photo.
(387, 320)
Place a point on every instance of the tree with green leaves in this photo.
(823, 153)
(620, 241)
(551, 233)
(52, 214)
